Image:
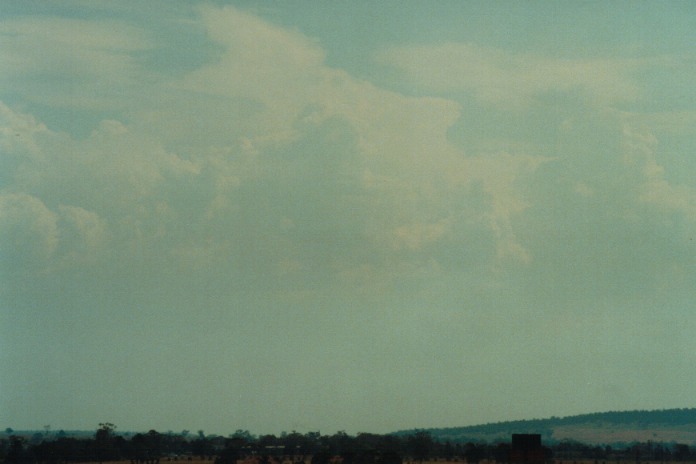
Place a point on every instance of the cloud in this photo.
(415, 236)
(603, 222)
(268, 135)
(654, 189)
(509, 80)
(265, 135)
(84, 235)
(93, 62)
(400, 171)
(275, 67)
(29, 232)
(285, 72)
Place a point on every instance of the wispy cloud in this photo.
(507, 79)
(93, 62)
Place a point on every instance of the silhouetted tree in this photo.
(267, 440)
(202, 446)
(293, 442)
(474, 453)
(340, 444)
(420, 444)
(104, 449)
(321, 457)
(146, 448)
(18, 452)
(229, 455)
(390, 457)
(681, 452)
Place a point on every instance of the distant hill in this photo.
(611, 428)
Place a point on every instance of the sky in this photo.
(361, 216)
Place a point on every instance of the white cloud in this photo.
(269, 133)
(92, 61)
(510, 80)
(415, 236)
(504, 177)
(402, 140)
(29, 232)
(654, 189)
(19, 133)
(668, 122)
(262, 62)
(83, 235)
(248, 139)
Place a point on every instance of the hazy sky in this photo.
(362, 216)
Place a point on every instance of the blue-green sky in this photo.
(361, 216)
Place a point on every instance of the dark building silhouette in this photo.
(526, 449)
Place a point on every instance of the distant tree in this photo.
(294, 443)
(447, 450)
(104, 443)
(420, 444)
(390, 444)
(154, 445)
(366, 442)
(146, 448)
(17, 452)
(341, 444)
(202, 446)
(390, 457)
(321, 457)
(61, 450)
(501, 453)
(229, 455)
(311, 442)
(243, 435)
(267, 440)
(474, 453)
(681, 452)
(369, 456)
(36, 438)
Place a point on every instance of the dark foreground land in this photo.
(634, 437)
(152, 448)
(336, 460)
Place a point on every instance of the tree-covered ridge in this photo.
(634, 419)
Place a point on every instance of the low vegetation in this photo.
(441, 445)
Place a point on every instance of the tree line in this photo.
(152, 447)
(638, 418)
